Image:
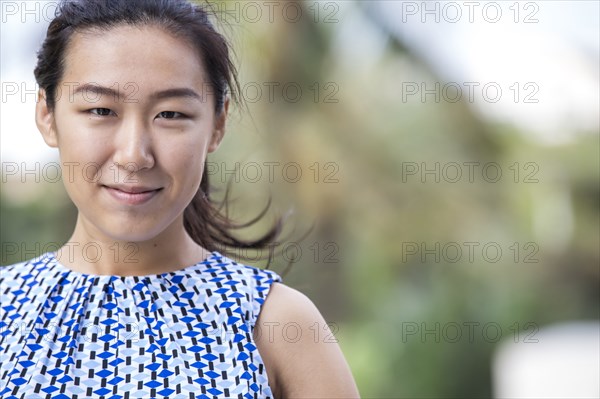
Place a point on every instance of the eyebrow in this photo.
(179, 92)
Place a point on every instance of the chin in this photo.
(131, 231)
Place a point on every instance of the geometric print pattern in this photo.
(182, 334)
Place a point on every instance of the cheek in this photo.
(83, 164)
(79, 145)
(185, 162)
(79, 163)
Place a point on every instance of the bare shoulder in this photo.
(301, 354)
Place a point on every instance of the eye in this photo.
(171, 115)
(101, 111)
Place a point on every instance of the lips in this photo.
(133, 189)
(132, 195)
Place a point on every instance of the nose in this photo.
(133, 146)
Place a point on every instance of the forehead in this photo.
(146, 56)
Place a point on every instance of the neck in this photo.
(91, 252)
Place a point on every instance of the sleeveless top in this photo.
(182, 334)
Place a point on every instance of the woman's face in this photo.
(133, 122)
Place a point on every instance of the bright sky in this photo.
(550, 54)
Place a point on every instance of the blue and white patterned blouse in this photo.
(182, 334)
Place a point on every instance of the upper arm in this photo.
(300, 354)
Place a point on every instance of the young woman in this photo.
(134, 94)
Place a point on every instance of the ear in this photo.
(44, 119)
(219, 130)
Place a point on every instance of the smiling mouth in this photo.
(132, 195)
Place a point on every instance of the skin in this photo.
(297, 366)
(161, 142)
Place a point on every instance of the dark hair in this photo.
(203, 219)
